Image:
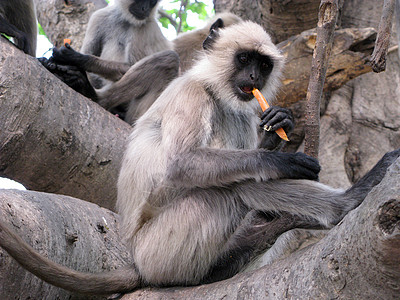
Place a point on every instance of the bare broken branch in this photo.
(327, 17)
(378, 57)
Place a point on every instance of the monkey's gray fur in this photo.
(18, 20)
(195, 191)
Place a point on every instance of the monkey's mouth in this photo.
(247, 89)
(245, 92)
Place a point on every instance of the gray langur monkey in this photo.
(18, 20)
(195, 190)
(123, 33)
(117, 37)
(137, 88)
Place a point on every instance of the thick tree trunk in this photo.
(66, 19)
(71, 232)
(52, 139)
(281, 18)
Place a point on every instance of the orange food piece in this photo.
(264, 105)
(67, 41)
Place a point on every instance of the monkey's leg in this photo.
(257, 233)
(362, 187)
(309, 198)
(150, 74)
(20, 37)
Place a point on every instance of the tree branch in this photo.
(378, 57)
(164, 14)
(350, 54)
(328, 15)
(53, 139)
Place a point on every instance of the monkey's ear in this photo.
(214, 34)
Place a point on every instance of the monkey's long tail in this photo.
(117, 281)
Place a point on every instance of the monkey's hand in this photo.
(273, 118)
(294, 165)
(68, 56)
(72, 76)
(276, 117)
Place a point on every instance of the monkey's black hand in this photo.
(72, 76)
(68, 56)
(295, 165)
(276, 117)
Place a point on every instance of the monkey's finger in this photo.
(286, 124)
(278, 117)
(268, 114)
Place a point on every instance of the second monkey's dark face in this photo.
(252, 71)
(141, 9)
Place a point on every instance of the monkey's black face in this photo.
(252, 71)
(141, 9)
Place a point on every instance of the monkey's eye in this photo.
(243, 58)
(265, 65)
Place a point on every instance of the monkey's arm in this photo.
(110, 70)
(206, 167)
(273, 118)
(192, 163)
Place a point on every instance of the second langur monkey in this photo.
(195, 189)
(117, 37)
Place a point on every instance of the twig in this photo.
(378, 57)
(164, 14)
(327, 18)
(182, 9)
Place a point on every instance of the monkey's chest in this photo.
(234, 131)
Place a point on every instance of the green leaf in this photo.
(41, 30)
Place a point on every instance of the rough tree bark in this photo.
(52, 139)
(281, 18)
(358, 259)
(63, 19)
(72, 232)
